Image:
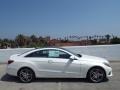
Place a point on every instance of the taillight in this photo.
(10, 61)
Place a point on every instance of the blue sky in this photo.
(59, 18)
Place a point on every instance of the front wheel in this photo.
(26, 75)
(96, 75)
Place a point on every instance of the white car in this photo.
(57, 63)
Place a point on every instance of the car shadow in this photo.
(8, 78)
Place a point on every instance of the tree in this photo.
(21, 40)
(12, 43)
(34, 38)
(108, 38)
(115, 40)
(90, 37)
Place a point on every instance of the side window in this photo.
(41, 53)
(58, 54)
(64, 55)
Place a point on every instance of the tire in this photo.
(96, 75)
(26, 75)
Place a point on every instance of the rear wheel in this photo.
(26, 75)
(96, 75)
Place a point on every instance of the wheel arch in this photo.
(26, 67)
(95, 67)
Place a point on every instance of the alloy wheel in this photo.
(96, 75)
(26, 75)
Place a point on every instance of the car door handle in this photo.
(50, 61)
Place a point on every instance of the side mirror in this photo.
(79, 55)
(72, 58)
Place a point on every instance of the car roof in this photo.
(36, 49)
(50, 48)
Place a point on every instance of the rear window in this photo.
(40, 53)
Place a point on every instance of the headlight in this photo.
(107, 64)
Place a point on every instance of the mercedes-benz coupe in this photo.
(57, 63)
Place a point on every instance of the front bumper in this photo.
(108, 72)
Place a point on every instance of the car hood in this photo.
(92, 58)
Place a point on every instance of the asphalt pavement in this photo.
(12, 83)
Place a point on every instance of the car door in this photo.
(60, 64)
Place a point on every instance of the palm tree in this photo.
(107, 38)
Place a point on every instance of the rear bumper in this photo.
(11, 71)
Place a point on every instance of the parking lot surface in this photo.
(12, 83)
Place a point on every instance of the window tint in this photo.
(58, 54)
(49, 53)
(41, 53)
